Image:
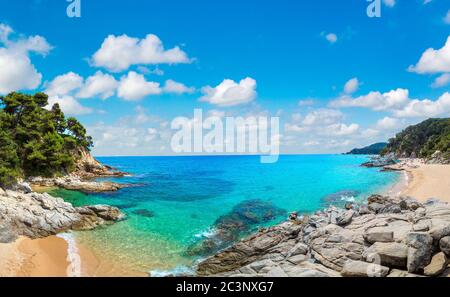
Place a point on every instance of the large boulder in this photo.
(444, 245)
(390, 254)
(380, 236)
(438, 264)
(419, 250)
(363, 269)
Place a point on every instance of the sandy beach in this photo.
(424, 181)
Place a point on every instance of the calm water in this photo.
(177, 200)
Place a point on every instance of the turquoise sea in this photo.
(179, 203)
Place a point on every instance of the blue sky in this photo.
(313, 63)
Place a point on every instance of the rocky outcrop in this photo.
(380, 161)
(87, 167)
(75, 183)
(40, 215)
(385, 237)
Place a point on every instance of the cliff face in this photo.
(88, 167)
(429, 139)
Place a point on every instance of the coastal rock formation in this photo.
(88, 167)
(40, 215)
(75, 183)
(387, 237)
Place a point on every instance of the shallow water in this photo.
(178, 200)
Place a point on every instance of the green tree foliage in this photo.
(422, 140)
(36, 141)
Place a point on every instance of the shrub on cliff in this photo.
(422, 140)
(36, 141)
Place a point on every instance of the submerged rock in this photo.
(244, 217)
(144, 213)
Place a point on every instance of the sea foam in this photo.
(73, 256)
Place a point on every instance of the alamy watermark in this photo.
(74, 9)
(374, 9)
(227, 135)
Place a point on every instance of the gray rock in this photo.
(373, 236)
(40, 215)
(345, 217)
(390, 254)
(375, 207)
(299, 249)
(297, 259)
(276, 271)
(363, 269)
(438, 264)
(419, 250)
(440, 231)
(444, 245)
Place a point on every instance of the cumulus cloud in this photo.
(230, 93)
(441, 81)
(134, 86)
(351, 86)
(433, 60)
(16, 69)
(172, 86)
(377, 101)
(99, 85)
(69, 105)
(118, 53)
(64, 84)
(387, 123)
(398, 103)
(322, 121)
(341, 129)
(426, 107)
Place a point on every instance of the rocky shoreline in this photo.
(40, 215)
(75, 183)
(87, 169)
(387, 236)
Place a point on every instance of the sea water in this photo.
(175, 202)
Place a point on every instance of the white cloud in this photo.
(389, 3)
(172, 86)
(426, 108)
(340, 129)
(69, 105)
(441, 81)
(434, 61)
(118, 53)
(134, 86)
(351, 86)
(322, 116)
(387, 123)
(230, 93)
(16, 69)
(331, 37)
(100, 84)
(447, 18)
(377, 101)
(306, 102)
(64, 84)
